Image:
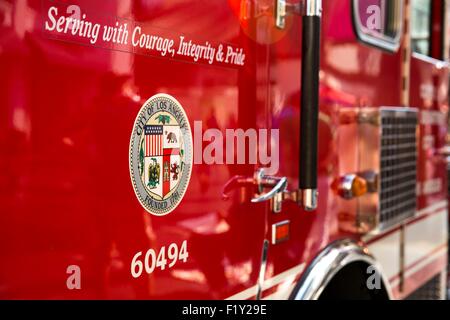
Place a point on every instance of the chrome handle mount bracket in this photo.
(283, 9)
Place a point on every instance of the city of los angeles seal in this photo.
(161, 154)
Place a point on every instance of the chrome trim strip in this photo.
(439, 64)
(443, 285)
(312, 8)
(328, 264)
(262, 270)
(310, 199)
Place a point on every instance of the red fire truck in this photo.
(227, 149)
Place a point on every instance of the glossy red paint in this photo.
(66, 116)
(437, 28)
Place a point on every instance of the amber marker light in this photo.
(359, 187)
(350, 186)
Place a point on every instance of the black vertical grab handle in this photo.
(310, 103)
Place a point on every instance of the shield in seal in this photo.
(161, 154)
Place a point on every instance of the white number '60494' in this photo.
(151, 261)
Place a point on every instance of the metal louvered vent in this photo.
(387, 154)
(398, 162)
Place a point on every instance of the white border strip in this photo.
(431, 209)
(435, 256)
(244, 295)
(438, 254)
(282, 294)
(288, 275)
(291, 273)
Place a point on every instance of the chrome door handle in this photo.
(280, 185)
(275, 195)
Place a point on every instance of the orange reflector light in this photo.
(350, 186)
(280, 232)
(359, 187)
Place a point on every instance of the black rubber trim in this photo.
(309, 102)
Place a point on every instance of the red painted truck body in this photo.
(67, 110)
